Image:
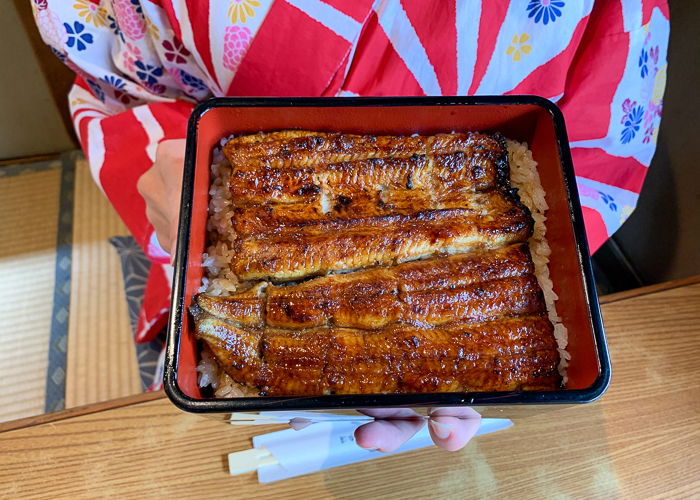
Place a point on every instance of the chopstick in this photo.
(250, 460)
(247, 419)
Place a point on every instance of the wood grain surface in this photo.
(642, 440)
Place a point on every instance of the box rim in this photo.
(346, 401)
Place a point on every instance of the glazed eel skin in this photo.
(455, 323)
(307, 204)
(378, 264)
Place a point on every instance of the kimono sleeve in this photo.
(612, 104)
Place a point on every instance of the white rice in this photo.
(524, 176)
(221, 281)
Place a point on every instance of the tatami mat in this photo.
(101, 361)
(27, 267)
(64, 325)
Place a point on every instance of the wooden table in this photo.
(641, 440)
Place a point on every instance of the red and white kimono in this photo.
(143, 64)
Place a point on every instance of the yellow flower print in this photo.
(242, 9)
(659, 85)
(625, 213)
(77, 101)
(518, 47)
(152, 28)
(92, 13)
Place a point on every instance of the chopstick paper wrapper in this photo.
(329, 442)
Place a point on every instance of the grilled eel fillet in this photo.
(443, 297)
(308, 203)
(468, 322)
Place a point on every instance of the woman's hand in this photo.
(161, 186)
(450, 428)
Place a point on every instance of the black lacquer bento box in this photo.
(532, 119)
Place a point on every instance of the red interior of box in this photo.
(530, 123)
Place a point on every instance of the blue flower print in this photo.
(643, 59)
(631, 123)
(608, 200)
(114, 26)
(545, 10)
(192, 81)
(113, 81)
(97, 90)
(77, 36)
(147, 73)
(61, 56)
